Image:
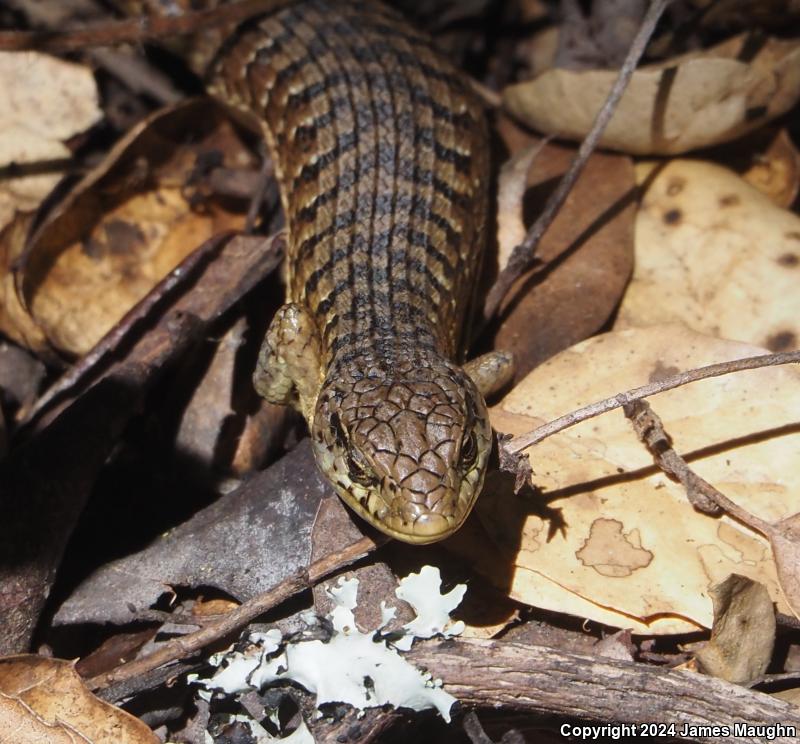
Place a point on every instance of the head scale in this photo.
(405, 446)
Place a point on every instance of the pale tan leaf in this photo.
(714, 253)
(612, 538)
(692, 101)
(19, 724)
(125, 226)
(511, 186)
(792, 695)
(43, 102)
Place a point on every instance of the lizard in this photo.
(380, 148)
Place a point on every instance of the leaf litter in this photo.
(592, 540)
(613, 561)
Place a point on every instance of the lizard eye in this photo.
(358, 469)
(469, 450)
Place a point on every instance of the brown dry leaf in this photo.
(725, 14)
(44, 102)
(20, 725)
(21, 377)
(691, 101)
(716, 254)
(14, 318)
(125, 226)
(586, 255)
(212, 607)
(265, 525)
(785, 540)
(743, 634)
(47, 697)
(202, 434)
(629, 550)
(776, 172)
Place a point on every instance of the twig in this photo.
(137, 75)
(522, 256)
(135, 30)
(265, 174)
(180, 276)
(523, 441)
(47, 479)
(184, 646)
(650, 430)
(701, 493)
(554, 682)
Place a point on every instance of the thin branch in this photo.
(134, 30)
(703, 496)
(523, 255)
(650, 429)
(552, 682)
(184, 273)
(523, 441)
(187, 645)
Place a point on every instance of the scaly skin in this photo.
(380, 149)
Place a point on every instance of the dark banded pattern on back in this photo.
(380, 151)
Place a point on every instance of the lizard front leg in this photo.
(491, 372)
(289, 364)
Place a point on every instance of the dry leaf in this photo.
(15, 321)
(692, 101)
(743, 634)
(586, 256)
(785, 540)
(22, 726)
(725, 14)
(616, 646)
(265, 525)
(21, 377)
(792, 695)
(714, 253)
(204, 435)
(776, 171)
(44, 101)
(46, 697)
(628, 549)
(124, 226)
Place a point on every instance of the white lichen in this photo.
(356, 668)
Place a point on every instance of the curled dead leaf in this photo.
(693, 101)
(47, 698)
(125, 226)
(743, 633)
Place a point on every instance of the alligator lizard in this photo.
(380, 150)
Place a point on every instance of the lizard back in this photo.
(380, 151)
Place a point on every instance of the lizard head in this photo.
(405, 445)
